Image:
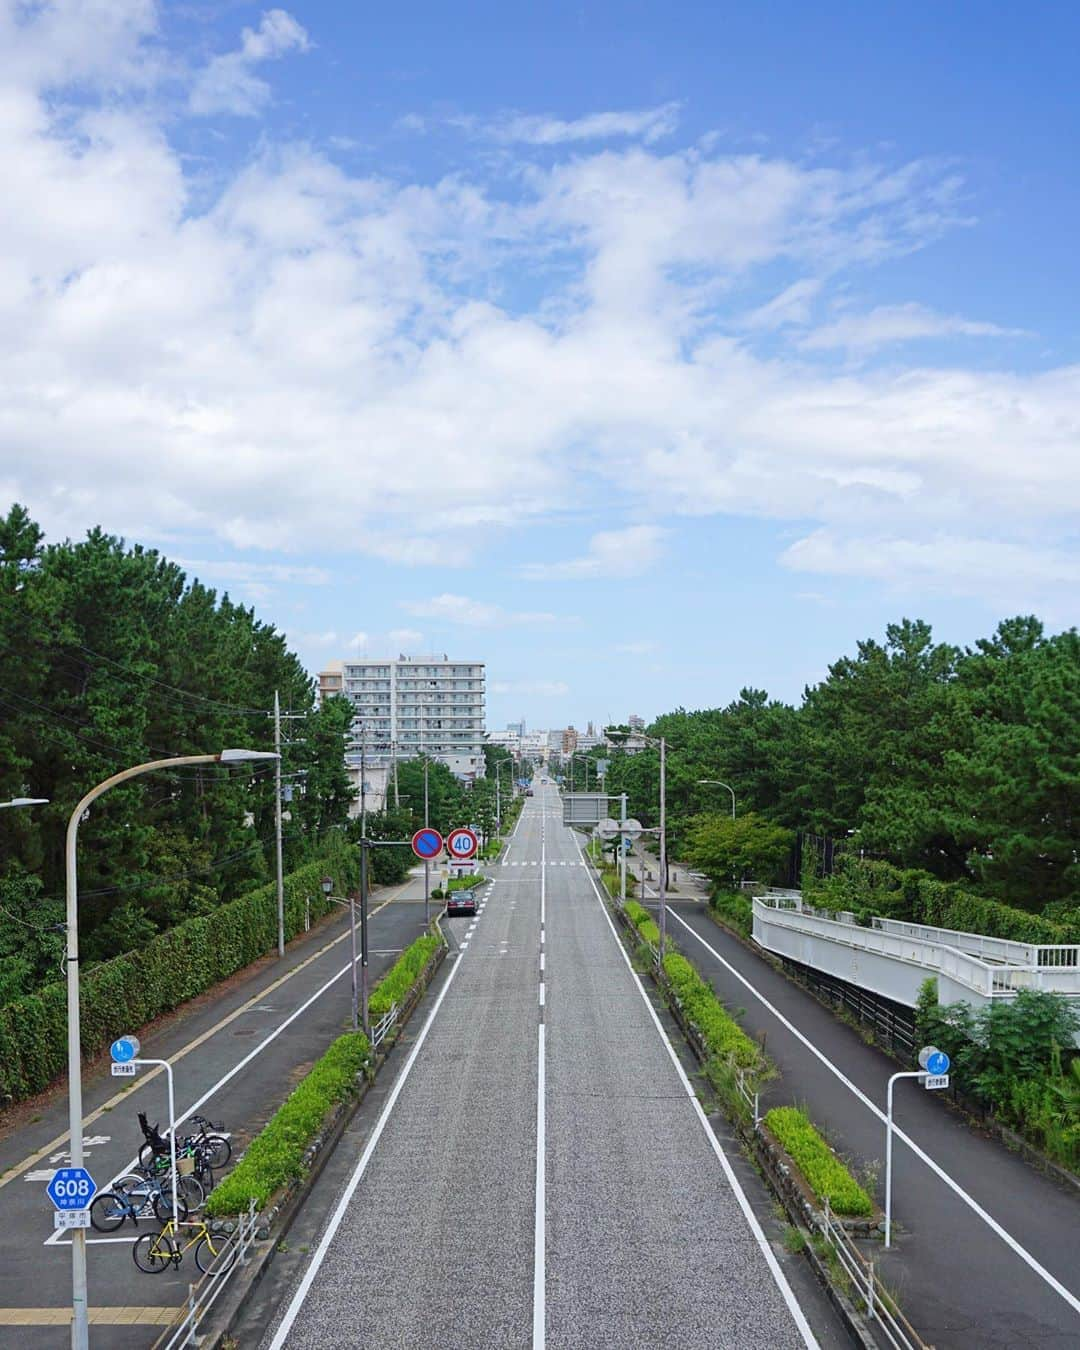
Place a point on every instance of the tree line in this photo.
(111, 656)
(961, 762)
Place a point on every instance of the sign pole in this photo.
(622, 850)
(933, 1074)
(364, 936)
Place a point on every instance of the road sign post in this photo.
(71, 1188)
(933, 1074)
(427, 843)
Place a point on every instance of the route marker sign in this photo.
(427, 843)
(124, 1049)
(462, 843)
(71, 1188)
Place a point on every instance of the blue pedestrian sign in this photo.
(937, 1063)
(125, 1049)
(427, 843)
(71, 1188)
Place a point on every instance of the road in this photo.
(242, 1047)
(964, 1285)
(541, 1172)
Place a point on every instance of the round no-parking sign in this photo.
(462, 843)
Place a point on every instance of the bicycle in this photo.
(217, 1148)
(132, 1197)
(214, 1252)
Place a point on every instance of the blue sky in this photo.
(643, 351)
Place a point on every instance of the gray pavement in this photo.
(436, 1237)
(962, 1284)
(279, 1016)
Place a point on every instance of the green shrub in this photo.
(131, 990)
(825, 1174)
(402, 975)
(468, 882)
(736, 909)
(723, 1036)
(276, 1154)
(642, 920)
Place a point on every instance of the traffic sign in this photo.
(933, 1060)
(123, 1070)
(124, 1049)
(936, 1080)
(71, 1218)
(427, 843)
(631, 827)
(462, 843)
(71, 1188)
(607, 828)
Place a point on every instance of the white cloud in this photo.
(898, 323)
(358, 642)
(460, 609)
(539, 688)
(228, 83)
(641, 648)
(646, 124)
(405, 638)
(611, 554)
(257, 572)
(291, 353)
(327, 639)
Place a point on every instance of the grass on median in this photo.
(825, 1174)
(402, 975)
(276, 1154)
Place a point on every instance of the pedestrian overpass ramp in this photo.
(893, 958)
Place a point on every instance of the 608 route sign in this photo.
(71, 1188)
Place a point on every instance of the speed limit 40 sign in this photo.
(462, 843)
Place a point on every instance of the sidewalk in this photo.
(960, 1282)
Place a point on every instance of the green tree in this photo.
(729, 850)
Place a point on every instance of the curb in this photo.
(280, 1215)
(774, 1169)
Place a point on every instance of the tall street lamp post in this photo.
(80, 1319)
(715, 782)
(327, 886)
(661, 744)
(25, 801)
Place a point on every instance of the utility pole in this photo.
(663, 845)
(622, 850)
(363, 889)
(277, 827)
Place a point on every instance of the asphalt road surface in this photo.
(541, 1172)
(242, 1048)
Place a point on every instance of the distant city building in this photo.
(635, 723)
(569, 741)
(428, 705)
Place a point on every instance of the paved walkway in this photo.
(961, 1283)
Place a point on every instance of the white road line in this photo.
(954, 1186)
(541, 960)
(542, 988)
(539, 1235)
(799, 1317)
(354, 1181)
(54, 1238)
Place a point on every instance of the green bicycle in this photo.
(214, 1252)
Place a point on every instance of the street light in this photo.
(715, 782)
(662, 744)
(25, 801)
(327, 886)
(79, 1320)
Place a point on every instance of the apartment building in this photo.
(412, 705)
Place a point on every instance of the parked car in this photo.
(528, 792)
(461, 902)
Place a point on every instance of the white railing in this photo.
(1049, 968)
(202, 1296)
(382, 1027)
(867, 1289)
(1006, 950)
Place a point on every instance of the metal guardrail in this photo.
(203, 1295)
(383, 1026)
(879, 1304)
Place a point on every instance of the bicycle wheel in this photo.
(218, 1149)
(215, 1253)
(109, 1210)
(163, 1206)
(192, 1193)
(153, 1252)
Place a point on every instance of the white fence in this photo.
(867, 1289)
(203, 1295)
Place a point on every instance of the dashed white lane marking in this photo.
(954, 1186)
(542, 987)
(539, 1238)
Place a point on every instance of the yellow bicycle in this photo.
(214, 1252)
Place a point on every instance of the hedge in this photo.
(722, 1034)
(466, 883)
(873, 887)
(825, 1174)
(130, 990)
(276, 1154)
(402, 975)
(642, 920)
